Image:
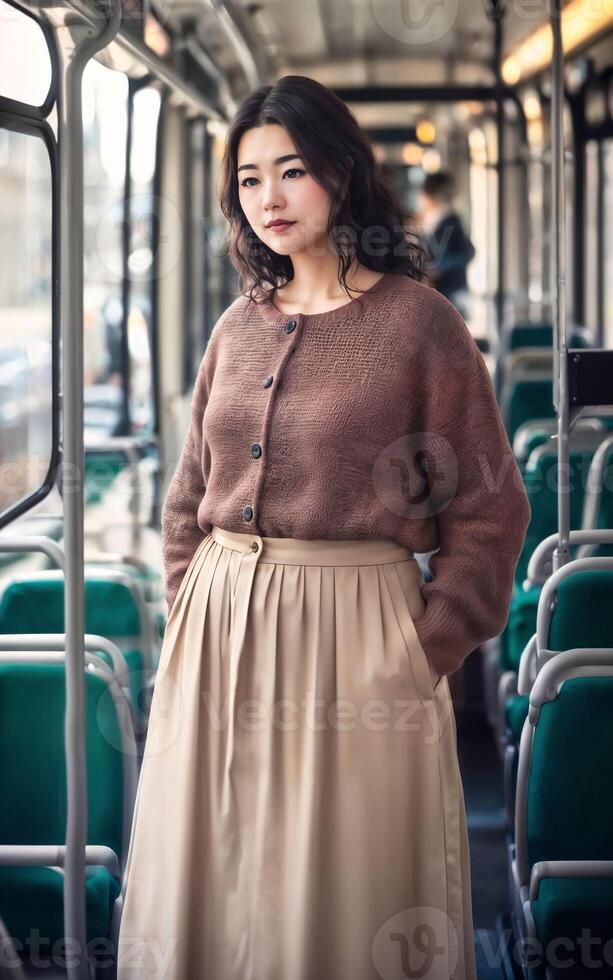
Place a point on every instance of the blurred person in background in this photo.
(447, 245)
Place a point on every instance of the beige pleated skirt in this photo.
(300, 811)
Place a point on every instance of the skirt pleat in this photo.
(300, 812)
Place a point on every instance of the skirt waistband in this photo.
(318, 551)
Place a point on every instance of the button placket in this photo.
(256, 448)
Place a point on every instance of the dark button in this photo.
(290, 325)
(268, 381)
(247, 513)
(256, 450)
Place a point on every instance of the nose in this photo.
(271, 195)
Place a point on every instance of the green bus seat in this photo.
(580, 618)
(521, 625)
(148, 579)
(530, 335)
(35, 604)
(541, 483)
(582, 615)
(526, 334)
(566, 756)
(101, 470)
(516, 712)
(34, 807)
(526, 398)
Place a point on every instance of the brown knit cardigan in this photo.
(374, 420)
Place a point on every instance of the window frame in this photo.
(24, 109)
(39, 128)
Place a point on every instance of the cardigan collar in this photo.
(362, 301)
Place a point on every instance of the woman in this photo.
(300, 812)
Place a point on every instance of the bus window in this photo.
(25, 315)
(536, 196)
(25, 65)
(478, 281)
(141, 255)
(216, 233)
(483, 188)
(197, 259)
(105, 95)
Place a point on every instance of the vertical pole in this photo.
(560, 353)
(78, 41)
(578, 307)
(600, 246)
(500, 170)
(126, 244)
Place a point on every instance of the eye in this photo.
(292, 170)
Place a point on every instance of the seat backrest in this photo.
(599, 506)
(32, 758)
(541, 483)
(530, 335)
(525, 398)
(526, 359)
(582, 615)
(541, 335)
(35, 604)
(101, 470)
(570, 790)
(538, 432)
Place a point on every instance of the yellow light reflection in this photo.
(431, 161)
(532, 106)
(581, 20)
(412, 154)
(425, 131)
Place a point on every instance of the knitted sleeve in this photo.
(181, 534)
(477, 494)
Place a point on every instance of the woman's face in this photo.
(275, 189)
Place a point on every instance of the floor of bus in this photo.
(481, 776)
(481, 772)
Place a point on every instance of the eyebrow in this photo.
(254, 166)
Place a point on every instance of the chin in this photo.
(286, 248)
(282, 251)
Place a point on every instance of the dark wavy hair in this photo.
(366, 220)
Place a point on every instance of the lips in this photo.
(280, 224)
